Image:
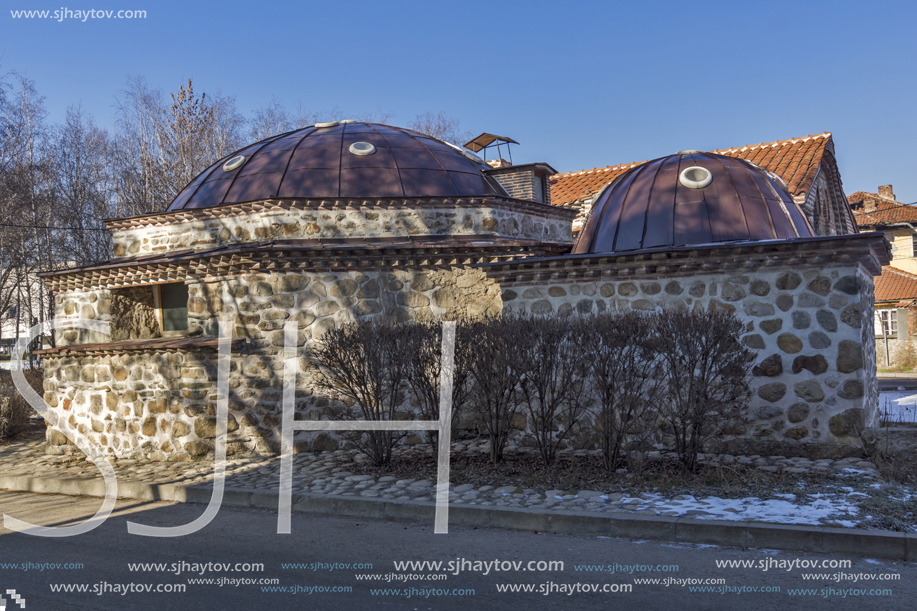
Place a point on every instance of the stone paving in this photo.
(331, 473)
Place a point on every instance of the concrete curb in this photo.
(789, 537)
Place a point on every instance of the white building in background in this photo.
(25, 302)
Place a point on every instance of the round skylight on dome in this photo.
(362, 148)
(234, 164)
(695, 177)
(327, 124)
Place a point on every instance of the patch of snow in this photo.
(819, 509)
(898, 406)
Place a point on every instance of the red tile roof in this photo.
(895, 285)
(887, 211)
(795, 160)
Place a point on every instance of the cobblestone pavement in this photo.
(331, 474)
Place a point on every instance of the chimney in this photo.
(526, 181)
(886, 191)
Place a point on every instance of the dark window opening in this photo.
(173, 299)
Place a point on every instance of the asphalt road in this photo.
(249, 536)
(895, 383)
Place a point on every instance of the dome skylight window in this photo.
(695, 177)
(362, 148)
(234, 164)
(327, 124)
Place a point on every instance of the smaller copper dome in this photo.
(687, 199)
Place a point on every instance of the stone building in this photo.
(346, 220)
(882, 212)
(896, 287)
(896, 318)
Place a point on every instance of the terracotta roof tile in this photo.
(895, 285)
(795, 160)
(887, 211)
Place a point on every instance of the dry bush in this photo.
(15, 412)
(707, 372)
(492, 370)
(551, 369)
(365, 362)
(623, 362)
(423, 351)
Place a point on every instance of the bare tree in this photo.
(228, 134)
(136, 157)
(440, 126)
(82, 189)
(377, 116)
(187, 127)
(159, 149)
(270, 120)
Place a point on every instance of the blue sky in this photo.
(578, 84)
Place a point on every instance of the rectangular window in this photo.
(173, 308)
(886, 323)
(914, 244)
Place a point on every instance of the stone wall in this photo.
(158, 404)
(235, 224)
(814, 378)
(133, 313)
(152, 405)
(130, 311)
(90, 305)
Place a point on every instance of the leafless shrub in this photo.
(551, 370)
(15, 411)
(492, 369)
(706, 367)
(623, 362)
(423, 351)
(365, 362)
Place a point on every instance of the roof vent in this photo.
(345, 121)
(327, 124)
(362, 148)
(234, 164)
(695, 177)
(485, 140)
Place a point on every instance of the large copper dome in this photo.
(340, 159)
(691, 198)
